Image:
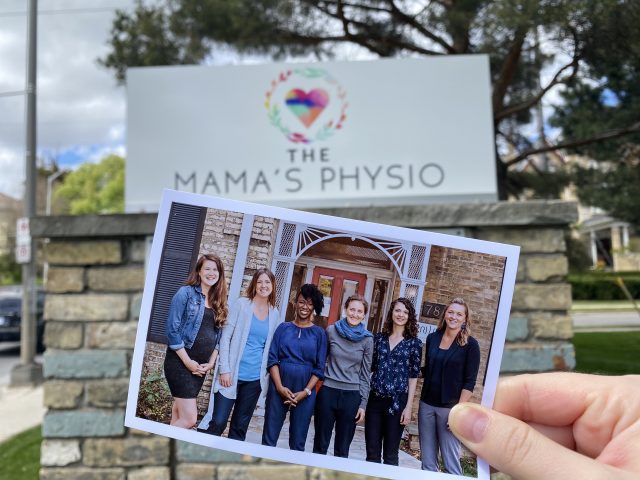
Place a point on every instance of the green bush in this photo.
(604, 286)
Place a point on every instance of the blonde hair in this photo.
(465, 332)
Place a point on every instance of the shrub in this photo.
(604, 286)
(154, 397)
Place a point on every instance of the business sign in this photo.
(312, 135)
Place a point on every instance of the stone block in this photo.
(59, 394)
(549, 325)
(189, 452)
(83, 423)
(87, 308)
(530, 240)
(59, 453)
(150, 473)
(136, 304)
(108, 393)
(138, 251)
(539, 297)
(537, 358)
(99, 252)
(82, 474)
(195, 471)
(65, 279)
(261, 472)
(542, 268)
(111, 335)
(518, 329)
(67, 336)
(116, 279)
(85, 364)
(126, 452)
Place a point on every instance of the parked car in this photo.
(11, 317)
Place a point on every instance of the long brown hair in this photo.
(253, 285)
(465, 332)
(217, 296)
(410, 328)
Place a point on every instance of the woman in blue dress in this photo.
(397, 352)
(296, 363)
(196, 316)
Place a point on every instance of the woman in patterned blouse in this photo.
(397, 353)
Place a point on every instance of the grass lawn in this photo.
(611, 353)
(20, 455)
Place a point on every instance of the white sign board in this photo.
(23, 240)
(312, 135)
(23, 253)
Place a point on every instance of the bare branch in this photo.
(412, 22)
(609, 135)
(509, 67)
(556, 80)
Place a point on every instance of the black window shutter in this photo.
(179, 256)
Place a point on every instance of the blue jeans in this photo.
(247, 394)
(335, 407)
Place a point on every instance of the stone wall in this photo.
(93, 299)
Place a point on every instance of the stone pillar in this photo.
(94, 288)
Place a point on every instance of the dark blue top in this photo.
(433, 397)
(458, 370)
(301, 346)
(392, 369)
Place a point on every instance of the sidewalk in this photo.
(356, 452)
(20, 409)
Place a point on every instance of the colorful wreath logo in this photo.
(306, 105)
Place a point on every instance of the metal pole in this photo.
(28, 372)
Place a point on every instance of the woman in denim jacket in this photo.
(196, 316)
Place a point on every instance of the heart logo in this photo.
(307, 105)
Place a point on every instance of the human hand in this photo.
(193, 367)
(286, 394)
(557, 426)
(360, 415)
(205, 367)
(225, 379)
(405, 418)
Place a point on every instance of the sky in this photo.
(80, 108)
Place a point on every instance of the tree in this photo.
(95, 187)
(521, 37)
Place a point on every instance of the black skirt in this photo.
(183, 383)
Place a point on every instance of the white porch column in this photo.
(309, 276)
(594, 248)
(625, 237)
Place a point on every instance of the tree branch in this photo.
(556, 80)
(508, 69)
(412, 22)
(609, 135)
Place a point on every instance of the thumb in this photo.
(513, 447)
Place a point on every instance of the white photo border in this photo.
(510, 252)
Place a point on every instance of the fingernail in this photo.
(469, 422)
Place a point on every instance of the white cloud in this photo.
(79, 107)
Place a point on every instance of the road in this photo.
(605, 321)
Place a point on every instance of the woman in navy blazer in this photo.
(450, 371)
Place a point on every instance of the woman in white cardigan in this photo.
(241, 375)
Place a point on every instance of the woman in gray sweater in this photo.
(343, 396)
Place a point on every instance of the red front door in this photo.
(336, 286)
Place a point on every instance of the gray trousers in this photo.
(433, 431)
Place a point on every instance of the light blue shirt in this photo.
(251, 361)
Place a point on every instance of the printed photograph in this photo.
(295, 336)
